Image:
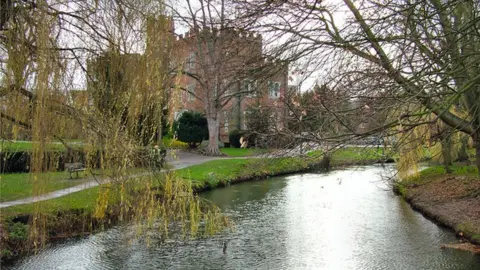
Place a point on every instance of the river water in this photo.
(344, 219)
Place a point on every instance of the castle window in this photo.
(250, 87)
(225, 122)
(273, 90)
(245, 124)
(190, 61)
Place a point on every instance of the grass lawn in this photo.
(226, 168)
(434, 172)
(353, 154)
(241, 152)
(357, 154)
(85, 200)
(15, 186)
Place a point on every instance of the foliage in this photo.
(261, 125)
(18, 231)
(234, 137)
(173, 143)
(435, 141)
(14, 237)
(212, 180)
(192, 128)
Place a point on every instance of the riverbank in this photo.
(343, 219)
(71, 215)
(451, 200)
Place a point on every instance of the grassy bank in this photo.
(207, 175)
(15, 186)
(452, 200)
(355, 155)
(234, 170)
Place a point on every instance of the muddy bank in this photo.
(451, 201)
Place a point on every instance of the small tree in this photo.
(260, 122)
(192, 128)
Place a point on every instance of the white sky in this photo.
(75, 77)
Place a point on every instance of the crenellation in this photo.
(240, 35)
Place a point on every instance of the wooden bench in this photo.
(74, 168)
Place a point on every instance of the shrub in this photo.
(234, 137)
(174, 144)
(13, 162)
(18, 232)
(192, 128)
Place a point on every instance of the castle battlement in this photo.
(248, 36)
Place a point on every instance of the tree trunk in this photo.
(325, 163)
(213, 130)
(463, 152)
(476, 141)
(447, 152)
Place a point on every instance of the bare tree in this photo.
(221, 56)
(422, 55)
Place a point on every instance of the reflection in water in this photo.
(339, 220)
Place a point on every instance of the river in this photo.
(344, 219)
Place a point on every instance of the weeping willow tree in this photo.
(428, 137)
(124, 49)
